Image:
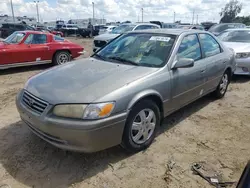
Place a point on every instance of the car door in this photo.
(187, 83)
(37, 48)
(13, 51)
(214, 60)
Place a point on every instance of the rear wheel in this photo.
(141, 126)
(222, 87)
(61, 57)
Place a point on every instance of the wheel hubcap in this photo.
(223, 84)
(63, 58)
(143, 126)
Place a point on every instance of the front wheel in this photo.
(141, 126)
(222, 87)
(61, 57)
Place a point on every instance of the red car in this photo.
(23, 48)
(58, 33)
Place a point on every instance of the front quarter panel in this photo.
(157, 84)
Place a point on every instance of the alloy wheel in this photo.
(143, 126)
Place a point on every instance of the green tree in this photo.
(230, 11)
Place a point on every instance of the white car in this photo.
(103, 39)
(239, 40)
(106, 29)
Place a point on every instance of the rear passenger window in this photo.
(142, 27)
(209, 45)
(190, 48)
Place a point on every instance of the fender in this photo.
(143, 94)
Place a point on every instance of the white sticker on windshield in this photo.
(165, 39)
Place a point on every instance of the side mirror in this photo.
(244, 181)
(183, 63)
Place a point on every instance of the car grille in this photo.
(99, 43)
(34, 103)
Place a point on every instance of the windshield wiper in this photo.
(123, 60)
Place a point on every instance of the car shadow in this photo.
(180, 115)
(240, 79)
(35, 163)
(24, 69)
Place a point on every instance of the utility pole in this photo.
(197, 17)
(13, 16)
(93, 11)
(37, 12)
(174, 17)
(142, 14)
(193, 18)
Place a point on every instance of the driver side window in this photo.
(190, 48)
(36, 39)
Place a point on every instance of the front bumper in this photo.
(242, 67)
(76, 135)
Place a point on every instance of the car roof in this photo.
(239, 29)
(34, 32)
(137, 24)
(169, 31)
(230, 24)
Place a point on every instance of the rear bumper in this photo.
(242, 67)
(75, 135)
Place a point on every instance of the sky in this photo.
(122, 10)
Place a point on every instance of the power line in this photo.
(37, 12)
(193, 18)
(12, 10)
(142, 14)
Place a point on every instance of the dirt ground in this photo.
(213, 132)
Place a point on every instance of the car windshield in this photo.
(235, 36)
(222, 27)
(122, 29)
(15, 38)
(29, 27)
(140, 49)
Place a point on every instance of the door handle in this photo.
(202, 71)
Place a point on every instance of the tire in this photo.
(222, 87)
(133, 139)
(61, 57)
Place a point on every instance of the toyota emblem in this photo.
(31, 102)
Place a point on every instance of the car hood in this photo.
(2, 45)
(83, 81)
(238, 46)
(106, 36)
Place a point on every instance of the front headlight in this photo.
(242, 55)
(91, 111)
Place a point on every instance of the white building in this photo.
(84, 22)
